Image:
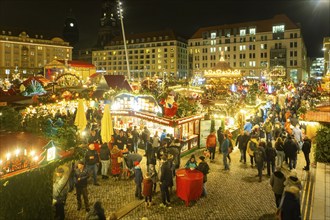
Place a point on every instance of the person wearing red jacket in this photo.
(211, 143)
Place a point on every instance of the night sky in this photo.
(184, 16)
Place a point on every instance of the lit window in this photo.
(213, 35)
(159, 67)
(71, 24)
(242, 47)
(278, 28)
(252, 31)
(252, 63)
(159, 50)
(242, 32)
(212, 50)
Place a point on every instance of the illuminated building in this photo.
(255, 47)
(28, 55)
(149, 54)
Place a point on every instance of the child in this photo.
(191, 163)
(138, 180)
(147, 190)
(153, 175)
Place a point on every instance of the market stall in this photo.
(143, 111)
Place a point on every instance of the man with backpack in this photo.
(260, 156)
(211, 143)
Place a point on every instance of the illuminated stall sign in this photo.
(136, 103)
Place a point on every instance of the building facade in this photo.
(163, 54)
(316, 68)
(326, 50)
(255, 48)
(28, 55)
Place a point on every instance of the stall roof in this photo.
(117, 82)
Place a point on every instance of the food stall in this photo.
(143, 111)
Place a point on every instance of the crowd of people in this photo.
(120, 159)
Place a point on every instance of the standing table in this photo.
(189, 184)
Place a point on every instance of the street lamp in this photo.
(120, 11)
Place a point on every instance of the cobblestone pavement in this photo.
(234, 194)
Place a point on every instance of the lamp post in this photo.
(120, 10)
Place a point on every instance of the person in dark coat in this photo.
(105, 160)
(270, 158)
(130, 158)
(92, 160)
(277, 183)
(241, 142)
(121, 140)
(138, 178)
(306, 149)
(290, 209)
(291, 150)
(220, 137)
(165, 181)
(97, 212)
(81, 176)
(60, 192)
(204, 168)
(260, 157)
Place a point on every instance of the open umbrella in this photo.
(80, 120)
(106, 124)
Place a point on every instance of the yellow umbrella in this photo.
(80, 120)
(106, 125)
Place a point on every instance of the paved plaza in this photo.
(234, 194)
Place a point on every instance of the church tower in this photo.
(70, 30)
(109, 23)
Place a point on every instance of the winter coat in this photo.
(290, 149)
(60, 188)
(220, 135)
(277, 182)
(130, 158)
(306, 147)
(115, 166)
(249, 150)
(211, 140)
(291, 206)
(94, 214)
(104, 152)
(91, 157)
(293, 181)
(138, 177)
(270, 153)
(82, 175)
(242, 141)
(147, 187)
(166, 174)
(225, 146)
(204, 168)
